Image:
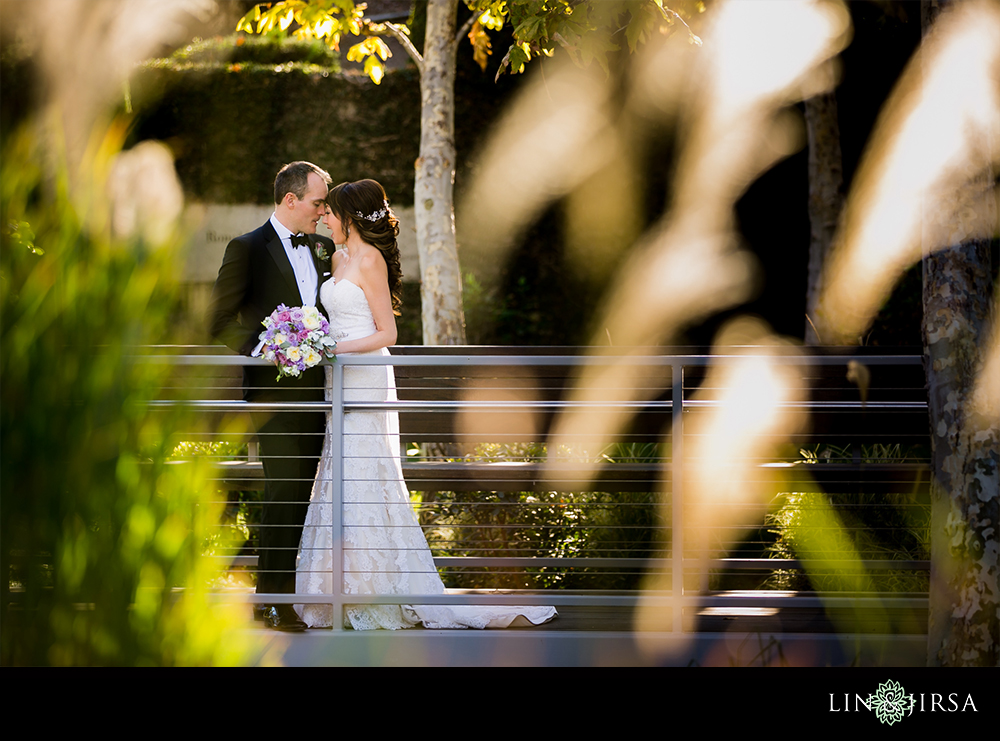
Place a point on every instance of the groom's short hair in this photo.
(294, 178)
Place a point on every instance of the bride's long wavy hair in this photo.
(363, 205)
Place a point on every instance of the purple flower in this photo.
(292, 335)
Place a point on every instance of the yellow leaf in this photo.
(480, 45)
(492, 22)
(357, 52)
(380, 48)
(287, 20)
(374, 69)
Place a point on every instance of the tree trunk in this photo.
(440, 275)
(965, 488)
(826, 196)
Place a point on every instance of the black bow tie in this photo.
(300, 240)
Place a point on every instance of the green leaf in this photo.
(635, 31)
(516, 58)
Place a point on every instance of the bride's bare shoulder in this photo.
(372, 263)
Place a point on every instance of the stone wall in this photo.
(218, 223)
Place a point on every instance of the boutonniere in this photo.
(321, 252)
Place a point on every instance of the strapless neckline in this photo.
(348, 281)
(348, 310)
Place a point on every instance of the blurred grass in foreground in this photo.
(98, 530)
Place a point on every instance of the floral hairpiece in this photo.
(376, 215)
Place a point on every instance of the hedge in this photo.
(233, 121)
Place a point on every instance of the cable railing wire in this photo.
(491, 528)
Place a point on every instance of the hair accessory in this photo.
(376, 215)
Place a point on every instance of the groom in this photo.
(282, 262)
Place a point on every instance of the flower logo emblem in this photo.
(890, 702)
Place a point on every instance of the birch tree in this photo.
(433, 194)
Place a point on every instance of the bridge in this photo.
(612, 535)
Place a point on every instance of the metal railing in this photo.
(463, 382)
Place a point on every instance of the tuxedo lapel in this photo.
(277, 252)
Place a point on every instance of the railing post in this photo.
(335, 403)
(336, 498)
(677, 497)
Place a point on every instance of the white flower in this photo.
(311, 357)
(293, 354)
(311, 318)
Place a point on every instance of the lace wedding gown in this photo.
(384, 548)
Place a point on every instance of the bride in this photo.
(384, 548)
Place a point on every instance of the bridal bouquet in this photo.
(296, 338)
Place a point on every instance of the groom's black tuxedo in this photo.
(254, 279)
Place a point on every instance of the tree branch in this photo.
(465, 28)
(404, 40)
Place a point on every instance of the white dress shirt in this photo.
(302, 264)
(303, 267)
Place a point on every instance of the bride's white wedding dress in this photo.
(385, 551)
